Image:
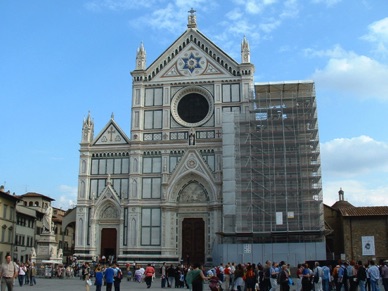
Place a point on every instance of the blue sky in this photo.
(61, 59)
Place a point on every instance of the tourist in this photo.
(149, 272)
(98, 280)
(195, 278)
(374, 275)
(8, 272)
(361, 276)
(108, 276)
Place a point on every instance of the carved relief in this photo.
(193, 192)
(109, 212)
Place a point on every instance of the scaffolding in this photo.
(278, 189)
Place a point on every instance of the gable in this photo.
(192, 55)
(192, 63)
(111, 134)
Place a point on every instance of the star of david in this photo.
(192, 63)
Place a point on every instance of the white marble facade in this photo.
(168, 170)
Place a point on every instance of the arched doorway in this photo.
(108, 242)
(193, 240)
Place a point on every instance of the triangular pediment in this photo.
(192, 55)
(111, 134)
(108, 204)
(192, 62)
(192, 162)
(192, 180)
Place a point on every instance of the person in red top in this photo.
(149, 272)
(227, 277)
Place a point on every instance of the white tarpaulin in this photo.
(368, 245)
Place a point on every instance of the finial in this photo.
(112, 116)
(192, 19)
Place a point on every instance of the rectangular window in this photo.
(3, 234)
(154, 97)
(235, 92)
(102, 167)
(125, 166)
(121, 187)
(109, 166)
(153, 119)
(96, 187)
(231, 93)
(94, 167)
(11, 213)
(173, 162)
(9, 235)
(226, 93)
(5, 208)
(231, 109)
(152, 165)
(117, 167)
(152, 187)
(150, 227)
(210, 160)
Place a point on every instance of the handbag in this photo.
(89, 282)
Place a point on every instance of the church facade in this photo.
(169, 190)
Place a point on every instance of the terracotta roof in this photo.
(365, 211)
(33, 194)
(9, 196)
(341, 204)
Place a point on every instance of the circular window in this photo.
(192, 106)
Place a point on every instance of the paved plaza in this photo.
(75, 284)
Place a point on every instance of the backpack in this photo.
(119, 274)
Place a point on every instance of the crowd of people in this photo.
(271, 276)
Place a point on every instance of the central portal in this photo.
(193, 240)
(108, 242)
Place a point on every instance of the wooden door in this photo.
(193, 240)
(108, 242)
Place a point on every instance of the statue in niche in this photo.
(192, 137)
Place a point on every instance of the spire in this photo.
(192, 19)
(245, 51)
(88, 129)
(141, 57)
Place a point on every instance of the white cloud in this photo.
(350, 157)
(67, 197)
(358, 75)
(255, 6)
(359, 166)
(357, 192)
(378, 34)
